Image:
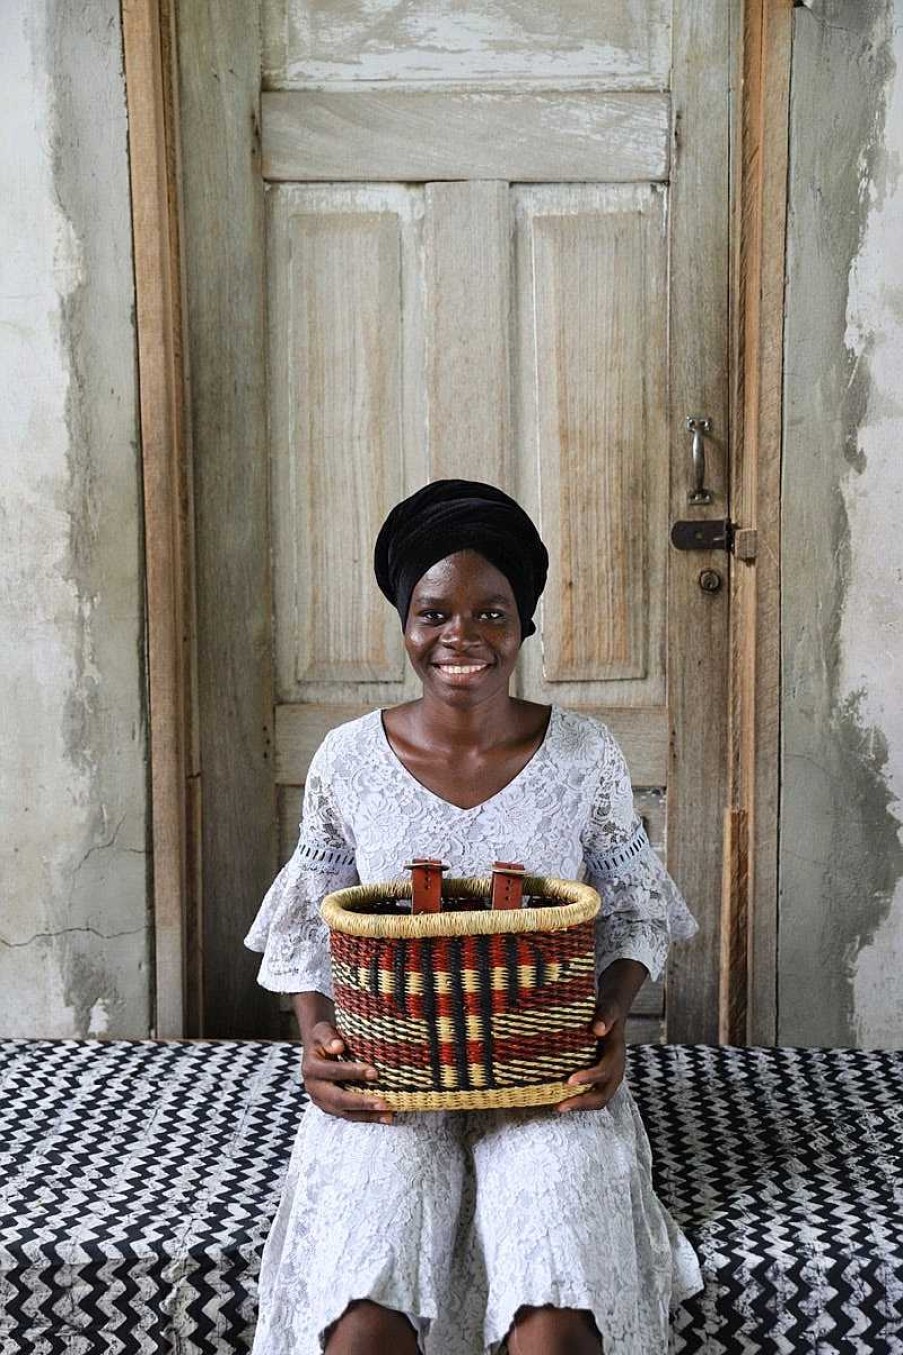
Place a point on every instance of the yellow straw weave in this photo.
(497, 1098)
(342, 910)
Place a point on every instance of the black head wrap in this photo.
(452, 515)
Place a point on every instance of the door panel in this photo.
(468, 269)
(346, 425)
(411, 135)
(592, 436)
(698, 378)
(620, 45)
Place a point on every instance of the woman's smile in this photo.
(460, 670)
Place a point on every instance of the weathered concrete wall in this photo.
(73, 908)
(841, 908)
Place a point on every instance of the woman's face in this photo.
(462, 633)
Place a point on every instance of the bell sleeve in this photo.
(642, 909)
(288, 929)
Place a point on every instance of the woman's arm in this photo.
(322, 1066)
(618, 987)
(310, 1009)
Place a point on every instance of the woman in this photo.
(456, 1233)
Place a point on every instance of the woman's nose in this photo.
(459, 629)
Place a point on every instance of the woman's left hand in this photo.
(605, 1077)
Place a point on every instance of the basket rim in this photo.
(495, 1098)
(580, 903)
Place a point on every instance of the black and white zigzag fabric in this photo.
(138, 1182)
(785, 1168)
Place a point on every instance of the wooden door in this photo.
(496, 247)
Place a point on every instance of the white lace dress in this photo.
(458, 1219)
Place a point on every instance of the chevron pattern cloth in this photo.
(785, 1168)
(138, 1181)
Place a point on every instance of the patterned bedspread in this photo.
(138, 1181)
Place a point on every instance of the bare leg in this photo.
(554, 1331)
(367, 1328)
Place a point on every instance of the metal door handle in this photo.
(698, 425)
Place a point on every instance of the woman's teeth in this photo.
(462, 667)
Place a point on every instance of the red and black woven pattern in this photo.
(467, 1013)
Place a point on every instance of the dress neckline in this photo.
(528, 766)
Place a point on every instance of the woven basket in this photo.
(468, 1007)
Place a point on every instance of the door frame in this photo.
(168, 516)
(193, 97)
(761, 134)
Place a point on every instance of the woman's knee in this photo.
(554, 1331)
(366, 1328)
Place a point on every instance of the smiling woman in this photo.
(460, 1232)
(462, 636)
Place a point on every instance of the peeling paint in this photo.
(99, 561)
(322, 42)
(871, 631)
(74, 946)
(841, 856)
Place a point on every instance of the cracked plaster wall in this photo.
(840, 942)
(74, 938)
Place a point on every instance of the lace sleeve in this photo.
(642, 908)
(288, 928)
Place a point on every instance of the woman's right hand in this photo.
(323, 1068)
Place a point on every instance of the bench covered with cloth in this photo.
(138, 1181)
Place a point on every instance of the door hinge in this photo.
(715, 534)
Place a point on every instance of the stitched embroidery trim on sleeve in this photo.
(608, 866)
(315, 856)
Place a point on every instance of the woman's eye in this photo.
(431, 615)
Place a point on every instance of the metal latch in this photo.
(715, 534)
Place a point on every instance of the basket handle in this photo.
(426, 884)
(507, 884)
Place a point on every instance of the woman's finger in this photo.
(601, 1083)
(609, 1063)
(334, 1070)
(590, 1100)
(358, 1116)
(591, 1077)
(350, 1106)
(323, 1058)
(356, 1106)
